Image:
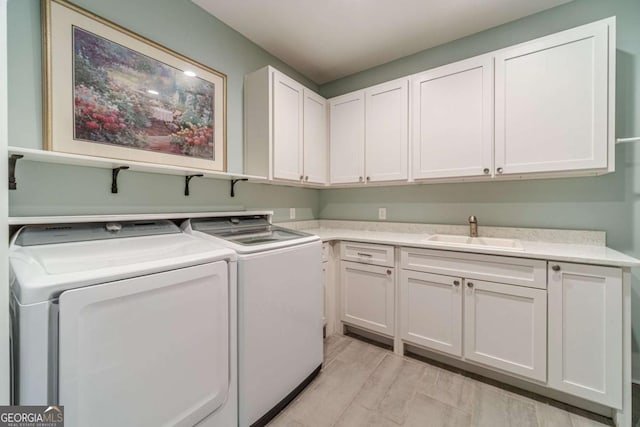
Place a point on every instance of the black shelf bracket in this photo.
(233, 185)
(114, 178)
(186, 182)
(12, 170)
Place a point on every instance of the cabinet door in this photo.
(453, 120)
(324, 293)
(585, 331)
(505, 327)
(431, 310)
(287, 127)
(552, 102)
(315, 138)
(386, 131)
(367, 296)
(347, 138)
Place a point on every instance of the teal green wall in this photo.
(178, 25)
(45, 189)
(609, 203)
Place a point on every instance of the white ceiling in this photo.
(329, 39)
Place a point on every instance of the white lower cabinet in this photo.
(505, 327)
(585, 331)
(431, 311)
(367, 296)
(563, 330)
(498, 325)
(324, 290)
(325, 283)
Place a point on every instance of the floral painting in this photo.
(114, 94)
(125, 98)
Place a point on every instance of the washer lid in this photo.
(42, 271)
(247, 234)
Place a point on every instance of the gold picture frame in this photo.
(109, 92)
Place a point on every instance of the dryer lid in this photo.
(50, 264)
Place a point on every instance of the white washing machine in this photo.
(124, 324)
(280, 305)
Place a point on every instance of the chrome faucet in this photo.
(473, 226)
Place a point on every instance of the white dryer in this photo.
(280, 306)
(124, 324)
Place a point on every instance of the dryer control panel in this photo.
(33, 235)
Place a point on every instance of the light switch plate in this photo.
(382, 213)
(292, 213)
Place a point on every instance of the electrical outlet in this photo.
(292, 213)
(382, 213)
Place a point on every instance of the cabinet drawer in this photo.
(325, 251)
(367, 253)
(515, 271)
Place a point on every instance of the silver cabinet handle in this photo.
(306, 178)
(368, 178)
(486, 171)
(500, 170)
(360, 178)
(301, 177)
(469, 284)
(364, 254)
(555, 267)
(456, 283)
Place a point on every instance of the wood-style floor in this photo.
(363, 385)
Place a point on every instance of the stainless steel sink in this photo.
(479, 242)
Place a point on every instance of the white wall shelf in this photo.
(43, 156)
(68, 219)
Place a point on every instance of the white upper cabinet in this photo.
(369, 134)
(544, 108)
(285, 128)
(315, 138)
(386, 131)
(453, 120)
(554, 102)
(347, 138)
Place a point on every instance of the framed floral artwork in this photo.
(112, 93)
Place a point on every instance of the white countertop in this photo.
(569, 252)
